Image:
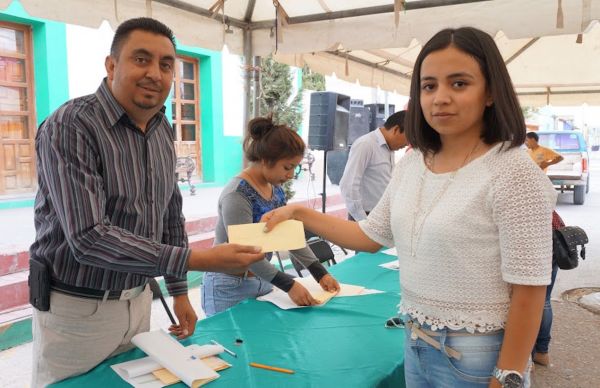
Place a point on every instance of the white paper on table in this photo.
(170, 354)
(349, 290)
(391, 252)
(370, 291)
(287, 235)
(282, 300)
(393, 265)
(139, 372)
(147, 380)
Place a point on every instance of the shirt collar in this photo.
(111, 107)
(380, 139)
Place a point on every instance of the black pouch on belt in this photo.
(39, 285)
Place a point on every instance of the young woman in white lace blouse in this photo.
(474, 264)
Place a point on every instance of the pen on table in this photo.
(224, 348)
(273, 368)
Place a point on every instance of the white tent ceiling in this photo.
(376, 41)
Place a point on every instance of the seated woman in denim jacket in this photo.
(274, 151)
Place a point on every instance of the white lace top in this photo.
(491, 228)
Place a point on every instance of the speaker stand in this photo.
(324, 193)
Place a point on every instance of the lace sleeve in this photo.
(522, 209)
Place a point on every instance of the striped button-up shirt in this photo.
(108, 209)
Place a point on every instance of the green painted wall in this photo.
(49, 59)
(221, 155)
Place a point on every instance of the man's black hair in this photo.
(533, 135)
(396, 119)
(143, 24)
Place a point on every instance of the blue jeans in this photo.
(543, 339)
(221, 291)
(427, 367)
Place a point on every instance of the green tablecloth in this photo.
(343, 343)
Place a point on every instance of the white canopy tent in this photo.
(376, 41)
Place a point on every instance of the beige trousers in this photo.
(77, 334)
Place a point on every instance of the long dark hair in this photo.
(503, 121)
(266, 141)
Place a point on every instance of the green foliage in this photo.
(288, 191)
(312, 81)
(529, 111)
(276, 91)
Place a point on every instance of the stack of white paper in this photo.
(165, 352)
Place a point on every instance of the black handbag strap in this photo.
(574, 235)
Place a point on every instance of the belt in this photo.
(93, 293)
(416, 331)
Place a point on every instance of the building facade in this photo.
(45, 63)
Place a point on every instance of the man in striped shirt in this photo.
(108, 213)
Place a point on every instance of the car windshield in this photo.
(560, 141)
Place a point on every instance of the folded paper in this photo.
(283, 301)
(168, 378)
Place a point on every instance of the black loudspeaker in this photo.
(377, 115)
(359, 121)
(336, 163)
(328, 121)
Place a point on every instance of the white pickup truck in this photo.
(572, 173)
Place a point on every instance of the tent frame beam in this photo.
(366, 11)
(390, 57)
(249, 11)
(268, 24)
(564, 92)
(521, 50)
(233, 22)
(352, 58)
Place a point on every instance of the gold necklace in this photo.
(415, 234)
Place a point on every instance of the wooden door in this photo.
(17, 116)
(186, 111)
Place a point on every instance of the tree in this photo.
(276, 94)
(312, 81)
(529, 111)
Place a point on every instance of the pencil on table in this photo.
(273, 368)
